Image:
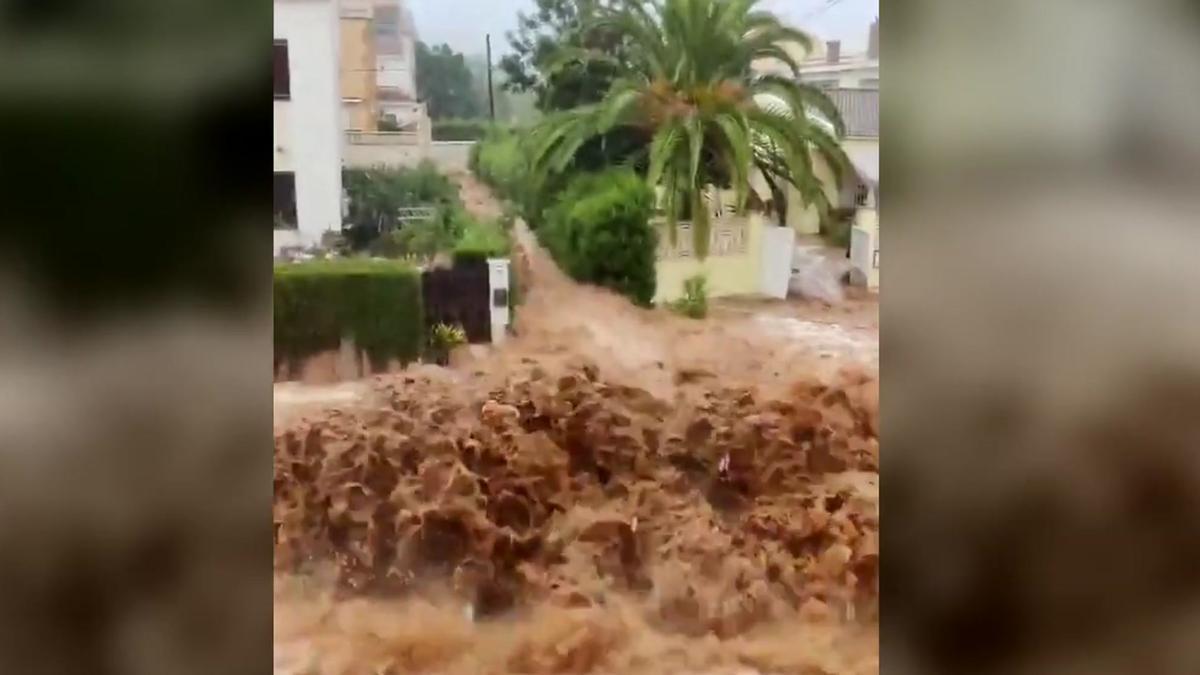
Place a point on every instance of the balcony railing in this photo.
(384, 137)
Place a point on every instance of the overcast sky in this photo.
(463, 23)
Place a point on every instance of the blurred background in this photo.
(135, 344)
(1041, 337)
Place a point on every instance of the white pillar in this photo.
(499, 297)
(864, 247)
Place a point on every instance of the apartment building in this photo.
(308, 122)
(360, 97)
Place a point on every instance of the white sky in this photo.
(463, 23)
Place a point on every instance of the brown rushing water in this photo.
(615, 490)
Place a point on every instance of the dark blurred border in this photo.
(1041, 337)
(135, 342)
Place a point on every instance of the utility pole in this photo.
(491, 94)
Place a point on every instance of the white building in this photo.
(829, 68)
(308, 134)
(396, 61)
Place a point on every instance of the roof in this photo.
(865, 159)
(859, 109)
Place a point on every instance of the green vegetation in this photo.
(694, 303)
(542, 36)
(373, 227)
(377, 194)
(375, 303)
(685, 81)
(599, 232)
(460, 129)
(443, 338)
(446, 84)
(482, 240)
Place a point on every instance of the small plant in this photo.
(443, 339)
(694, 303)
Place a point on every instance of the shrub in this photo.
(694, 303)
(481, 240)
(375, 303)
(460, 130)
(501, 161)
(599, 232)
(376, 194)
(443, 338)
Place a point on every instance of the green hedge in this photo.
(482, 240)
(599, 232)
(501, 161)
(376, 303)
(460, 130)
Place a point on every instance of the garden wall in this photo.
(733, 265)
(451, 156)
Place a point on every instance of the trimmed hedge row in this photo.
(460, 129)
(375, 303)
(482, 240)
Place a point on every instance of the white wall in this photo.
(366, 155)
(451, 155)
(396, 71)
(846, 75)
(308, 137)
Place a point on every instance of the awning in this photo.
(866, 162)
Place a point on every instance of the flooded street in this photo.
(613, 490)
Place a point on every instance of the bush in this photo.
(500, 161)
(377, 304)
(599, 232)
(481, 240)
(460, 130)
(694, 303)
(376, 194)
(424, 239)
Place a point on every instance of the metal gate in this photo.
(459, 295)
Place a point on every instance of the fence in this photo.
(732, 266)
(390, 148)
(459, 295)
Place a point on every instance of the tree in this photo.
(687, 84)
(539, 40)
(445, 83)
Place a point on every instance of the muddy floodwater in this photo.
(614, 490)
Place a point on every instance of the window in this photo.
(861, 194)
(869, 83)
(285, 200)
(283, 84)
(823, 84)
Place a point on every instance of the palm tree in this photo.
(689, 84)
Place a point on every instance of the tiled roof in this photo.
(859, 109)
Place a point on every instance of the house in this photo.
(859, 109)
(393, 129)
(308, 122)
(359, 88)
(829, 68)
(395, 36)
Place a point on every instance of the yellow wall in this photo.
(727, 274)
(805, 220)
(358, 73)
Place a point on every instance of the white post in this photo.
(864, 248)
(775, 258)
(498, 292)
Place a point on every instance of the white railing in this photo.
(384, 137)
(727, 237)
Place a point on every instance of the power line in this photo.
(829, 4)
